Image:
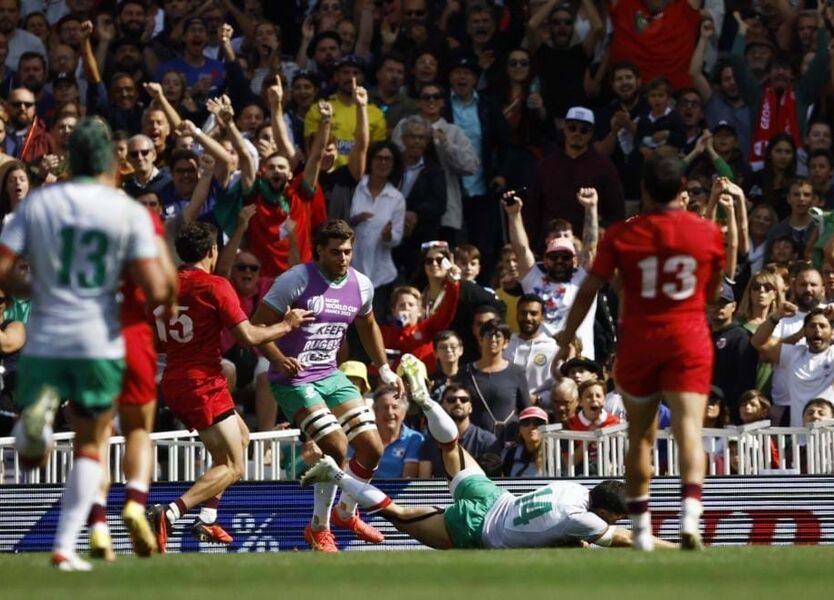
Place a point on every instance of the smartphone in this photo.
(446, 264)
(509, 200)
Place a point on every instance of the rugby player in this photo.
(79, 237)
(483, 515)
(309, 388)
(670, 262)
(193, 385)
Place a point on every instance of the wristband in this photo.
(387, 375)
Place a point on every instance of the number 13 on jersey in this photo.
(680, 267)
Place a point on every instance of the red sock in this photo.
(637, 506)
(212, 502)
(181, 506)
(360, 470)
(134, 495)
(98, 514)
(692, 490)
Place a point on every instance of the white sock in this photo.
(81, 489)
(323, 496)
(367, 496)
(347, 503)
(172, 513)
(641, 523)
(691, 510)
(207, 515)
(441, 426)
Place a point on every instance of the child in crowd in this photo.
(468, 260)
(753, 406)
(663, 126)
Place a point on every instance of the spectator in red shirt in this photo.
(411, 330)
(592, 414)
(658, 36)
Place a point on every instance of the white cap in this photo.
(580, 113)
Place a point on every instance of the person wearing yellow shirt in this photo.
(343, 125)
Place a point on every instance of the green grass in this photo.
(786, 573)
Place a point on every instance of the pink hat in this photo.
(533, 412)
(560, 244)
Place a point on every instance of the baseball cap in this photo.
(533, 412)
(580, 113)
(727, 294)
(351, 60)
(461, 59)
(724, 125)
(354, 368)
(560, 244)
(581, 361)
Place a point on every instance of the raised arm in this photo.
(364, 29)
(279, 127)
(154, 90)
(768, 345)
(696, 65)
(308, 31)
(229, 251)
(201, 191)
(597, 27)
(241, 18)
(725, 200)
(88, 59)
(537, 19)
(518, 235)
(222, 170)
(588, 198)
(313, 166)
(225, 114)
(361, 136)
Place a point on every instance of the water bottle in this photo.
(401, 319)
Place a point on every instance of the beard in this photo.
(34, 85)
(560, 275)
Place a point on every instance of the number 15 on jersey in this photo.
(179, 328)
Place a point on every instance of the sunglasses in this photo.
(573, 128)
(431, 97)
(434, 260)
(565, 22)
(530, 422)
(761, 287)
(519, 63)
(246, 267)
(696, 190)
(457, 400)
(22, 104)
(138, 153)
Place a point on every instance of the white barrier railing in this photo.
(752, 449)
(186, 458)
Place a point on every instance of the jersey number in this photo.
(92, 245)
(180, 327)
(681, 265)
(532, 505)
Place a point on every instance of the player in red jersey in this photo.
(671, 265)
(193, 385)
(137, 408)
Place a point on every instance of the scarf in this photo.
(775, 116)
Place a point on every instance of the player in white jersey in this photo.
(78, 237)
(483, 515)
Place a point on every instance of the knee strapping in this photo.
(319, 424)
(357, 420)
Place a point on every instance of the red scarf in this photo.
(775, 116)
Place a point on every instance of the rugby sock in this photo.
(441, 426)
(136, 491)
(370, 498)
(323, 496)
(97, 518)
(638, 512)
(347, 503)
(691, 507)
(79, 494)
(175, 510)
(208, 511)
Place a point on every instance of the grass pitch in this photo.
(786, 573)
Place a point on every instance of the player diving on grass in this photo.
(193, 384)
(309, 388)
(482, 514)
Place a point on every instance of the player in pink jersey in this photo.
(671, 264)
(193, 385)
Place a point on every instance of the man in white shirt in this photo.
(20, 40)
(562, 271)
(531, 348)
(482, 514)
(809, 367)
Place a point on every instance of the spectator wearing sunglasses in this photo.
(146, 176)
(480, 443)
(524, 458)
(27, 138)
(560, 175)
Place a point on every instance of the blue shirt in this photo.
(211, 68)
(404, 449)
(465, 116)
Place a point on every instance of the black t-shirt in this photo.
(734, 370)
(338, 187)
(498, 398)
(562, 74)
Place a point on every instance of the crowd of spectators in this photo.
(410, 119)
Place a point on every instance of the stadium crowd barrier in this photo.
(178, 456)
(269, 516)
(752, 449)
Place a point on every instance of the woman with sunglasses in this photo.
(523, 458)
(762, 297)
(437, 262)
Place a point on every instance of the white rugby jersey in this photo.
(553, 515)
(78, 237)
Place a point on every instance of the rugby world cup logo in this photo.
(315, 305)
